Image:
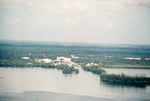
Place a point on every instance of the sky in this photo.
(92, 21)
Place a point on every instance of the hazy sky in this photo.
(96, 21)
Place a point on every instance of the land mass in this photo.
(91, 57)
(105, 56)
(125, 80)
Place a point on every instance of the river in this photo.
(20, 80)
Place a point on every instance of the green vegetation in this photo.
(70, 71)
(125, 80)
(94, 69)
(11, 54)
(67, 70)
(23, 63)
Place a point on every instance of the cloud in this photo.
(111, 25)
(13, 21)
(46, 7)
(77, 6)
(27, 3)
(118, 5)
(136, 2)
(113, 5)
(145, 1)
(107, 5)
(130, 2)
(70, 21)
(10, 1)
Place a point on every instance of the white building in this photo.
(46, 60)
(133, 58)
(91, 64)
(26, 58)
(43, 60)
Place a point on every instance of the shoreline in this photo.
(52, 96)
(113, 67)
(48, 96)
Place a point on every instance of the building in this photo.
(133, 58)
(43, 60)
(91, 64)
(26, 58)
(46, 60)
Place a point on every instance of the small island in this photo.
(117, 79)
(94, 69)
(70, 71)
(67, 70)
(125, 80)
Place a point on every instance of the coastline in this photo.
(51, 96)
(47, 96)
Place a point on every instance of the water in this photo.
(18, 80)
(130, 72)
